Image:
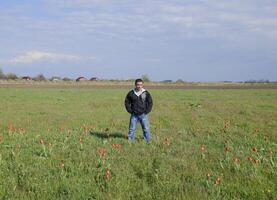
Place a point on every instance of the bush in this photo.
(180, 81)
(11, 76)
(145, 78)
(2, 75)
(40, 77)
(67, 79)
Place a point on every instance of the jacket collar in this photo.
(138, 93)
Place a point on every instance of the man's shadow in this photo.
(105, 135)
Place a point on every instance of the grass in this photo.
(71, 144)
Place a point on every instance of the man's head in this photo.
(139, 84)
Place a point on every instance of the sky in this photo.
(192, 40)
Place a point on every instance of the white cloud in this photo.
(36, 56)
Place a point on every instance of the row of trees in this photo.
(40, 77)
(10, 76)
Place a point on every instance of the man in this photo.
(138, 103)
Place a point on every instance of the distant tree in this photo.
(145, 78)
(167, 81)
(66, 79)
(2, 75)
(180, 81)
(130, 80)
(11, 76)
(40, 77)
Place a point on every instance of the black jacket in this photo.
(138, 105)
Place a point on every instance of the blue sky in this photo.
(199, 40)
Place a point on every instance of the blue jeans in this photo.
(143, 119)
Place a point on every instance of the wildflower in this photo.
(166, 141)
(102, 152)
(116, 145)
(257, 161)
(81, 139)
(202, 147)
(62, 164)
(236, 159)
(250, 158)
(217, 181)
(41, 141)
(227, 148)
(254, 149)
(226, 124)
(107, 174)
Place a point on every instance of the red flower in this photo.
(116, 145)
(250, 158)
(236, 159)
(107, 174)
(102, 152)
(227, 148)
(254, 149)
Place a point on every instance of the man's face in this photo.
(139, 85)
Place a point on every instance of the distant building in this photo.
(94, 79)
(27, 78)
(81, 78)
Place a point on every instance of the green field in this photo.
(71, 144)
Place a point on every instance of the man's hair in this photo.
(138, 80)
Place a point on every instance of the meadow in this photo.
(70, 143)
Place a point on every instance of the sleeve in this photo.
(149, 103)
(128, 103)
